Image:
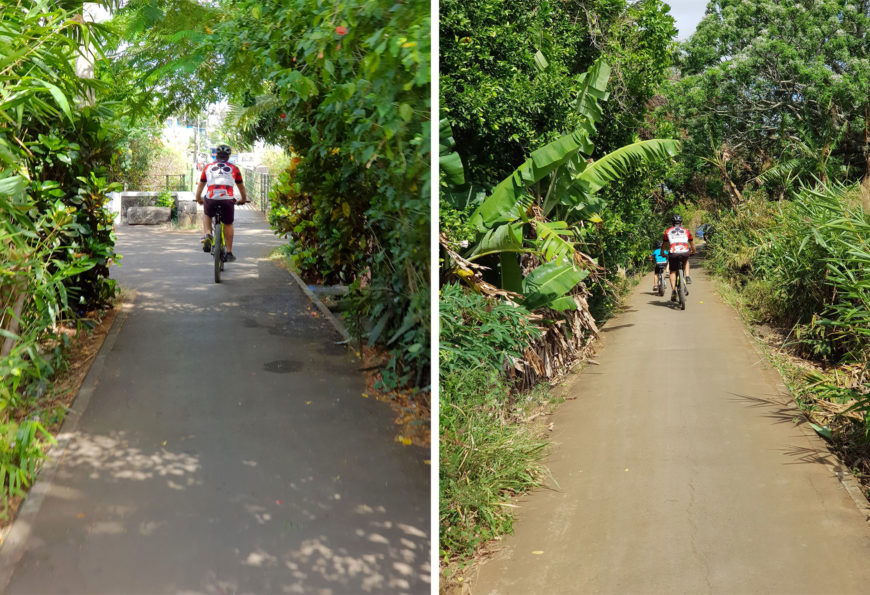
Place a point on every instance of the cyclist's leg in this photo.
(228, 216)
(207, 213)
(673, 263)
(228, 236)
(687, 270)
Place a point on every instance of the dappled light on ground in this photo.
(110, 457)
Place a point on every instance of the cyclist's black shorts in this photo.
(676, 261)
(660, 267)
(226, 206)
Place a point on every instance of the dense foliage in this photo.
(345, 87)
(773, 89)
(802, 266)
(56, 237)
(502, 105)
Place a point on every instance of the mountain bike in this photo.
(219, 244)
(662, 278)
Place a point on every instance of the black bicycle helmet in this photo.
(677, 220)
(223, 152)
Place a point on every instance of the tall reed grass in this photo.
(805, 265)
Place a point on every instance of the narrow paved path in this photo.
(679, 468)
(226, 447)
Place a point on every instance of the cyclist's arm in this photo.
(199, 192)
(242, 192)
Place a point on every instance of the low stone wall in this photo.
(123, 202)
(138, 199)
(187, 213)
(148, 215)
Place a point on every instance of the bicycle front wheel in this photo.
(218, 251)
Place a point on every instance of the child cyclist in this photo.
(661, 260)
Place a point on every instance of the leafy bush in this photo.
(20, 452)
(477, 332)
(56, 239)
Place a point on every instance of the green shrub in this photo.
(478, 332)
(21, 450)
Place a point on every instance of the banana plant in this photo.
(553, 194)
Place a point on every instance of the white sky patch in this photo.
(687, 14)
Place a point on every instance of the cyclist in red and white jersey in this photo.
(218, 178)
(680, 245)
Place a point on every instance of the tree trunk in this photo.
(865, 185)
(14, 323)
(733, 192)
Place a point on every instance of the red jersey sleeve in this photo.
(202, 178)
(237, 176)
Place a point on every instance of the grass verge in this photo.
(491, 450)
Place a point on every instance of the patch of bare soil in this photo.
(85, 340)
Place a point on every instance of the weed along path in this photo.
(224, 447)
(681, 468)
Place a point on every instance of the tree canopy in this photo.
(766, 83)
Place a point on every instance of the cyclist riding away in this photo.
(661, 259)
(218, 179)
(680, 245)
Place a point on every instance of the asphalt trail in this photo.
(681, 468)
(226, 447)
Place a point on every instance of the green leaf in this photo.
(550, 281)
(59, 97)
(541, 61)
(823, 432)
(620, 162)
(13, 186)
(448, 160)
(406, 112)
(502, 238)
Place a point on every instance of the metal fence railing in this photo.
(258, 184)
(175, 182)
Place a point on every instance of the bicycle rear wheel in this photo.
(681, 290)
(661, 284)
(218, 251)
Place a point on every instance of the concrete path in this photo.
(680, 468)
(225, 447)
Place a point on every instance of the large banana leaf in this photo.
(502, 238)
(510, 199)
(549, 282)
(593, 87)
(551, 239)
(620, 162)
